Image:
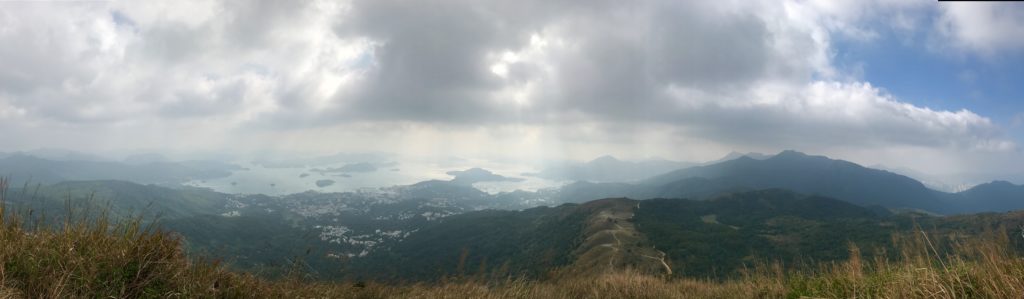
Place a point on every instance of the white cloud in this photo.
(1017, 120)
(832, 114)
(604, 76)
(986, 28)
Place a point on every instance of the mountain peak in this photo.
(793, 156)
(791, 153)
(735, 155)
(742, 158)
(604, 159)
(731, 156)
(998, 183)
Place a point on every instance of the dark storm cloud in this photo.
(433, 64)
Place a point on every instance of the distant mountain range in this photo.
(790, 170)
(56, 155)
(812, 175)
(608, 169)
(21, 168)
(807, 174)
(736, 155)
(706, 220)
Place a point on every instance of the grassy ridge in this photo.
(94, 257)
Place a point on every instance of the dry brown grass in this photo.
(95, 257)
(982, 266)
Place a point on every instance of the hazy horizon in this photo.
(919, 87)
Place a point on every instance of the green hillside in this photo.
(813, 175)
(120, 198)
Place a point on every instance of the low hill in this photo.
(996, 196)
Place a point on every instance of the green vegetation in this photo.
(263, 244)
(719, 237)
(120, 198)
(837, 179)
(486, 243)
(96, 257)
(810, 175)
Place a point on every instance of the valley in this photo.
(704, 221)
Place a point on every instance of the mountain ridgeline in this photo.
(789, 170)
(813, 175)
(23, 168)
(704, 221)
(808, 174)
(608, 169)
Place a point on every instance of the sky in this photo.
(916, 84)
